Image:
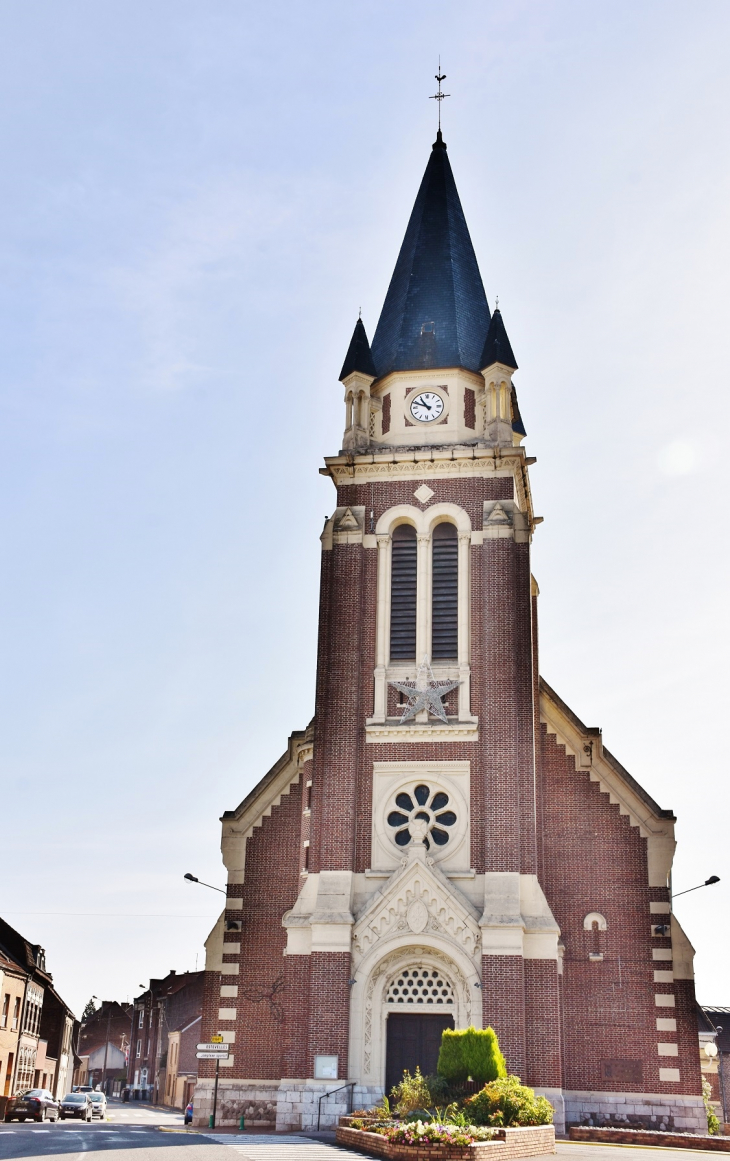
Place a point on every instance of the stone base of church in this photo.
(635, 1109)
(279, 1105)
(557, 1100)
(295, 1104)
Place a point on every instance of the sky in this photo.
(196, 198)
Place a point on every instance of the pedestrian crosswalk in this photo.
(283, 1147)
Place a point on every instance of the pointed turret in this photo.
(359, 356)
(497, 347)
(357, 375)
(435, 312)
(503, 422)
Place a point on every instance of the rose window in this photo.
(420, 986)
(423, 814)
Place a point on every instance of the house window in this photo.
(6, 1009)
(141, 1018)
(16, 1014)
(445, 593)
(403, 593)
(139, 1048)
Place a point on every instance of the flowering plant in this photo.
(432, 1133)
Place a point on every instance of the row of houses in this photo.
(165, 1031)
(37, 1029)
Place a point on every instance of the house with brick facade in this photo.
(37, 1029)
(169, 1007)
(446, 844)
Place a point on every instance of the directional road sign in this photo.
(213, 1055)
(213, 1047)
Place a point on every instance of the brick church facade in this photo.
(446, 844)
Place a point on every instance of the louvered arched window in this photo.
(445, 593)
(403, 593)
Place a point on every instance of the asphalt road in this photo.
(136, 1132)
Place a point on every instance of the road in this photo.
(135, 1132)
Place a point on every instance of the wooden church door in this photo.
(413, 1040)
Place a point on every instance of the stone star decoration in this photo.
(424, 693)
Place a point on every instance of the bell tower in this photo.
(426, 689)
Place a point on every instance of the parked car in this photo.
(76, 1104)
(187, 1119)
(98, 1104)
(37, 1104)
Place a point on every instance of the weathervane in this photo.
(439, 96)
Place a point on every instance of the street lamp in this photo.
(194, 879)
(707, 883)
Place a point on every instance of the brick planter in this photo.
(532, 1141)
(647, 1137)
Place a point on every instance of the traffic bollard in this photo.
(242, 1122)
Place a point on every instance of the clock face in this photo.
(427, 406)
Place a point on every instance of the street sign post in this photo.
(214, 1050)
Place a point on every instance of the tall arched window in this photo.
(445, 593)
(403, 593)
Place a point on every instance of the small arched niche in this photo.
(594, 921)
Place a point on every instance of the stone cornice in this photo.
(457, 461)
(425, 732)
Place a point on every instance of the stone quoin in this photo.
(446, 843)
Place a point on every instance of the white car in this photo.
(98, 1105)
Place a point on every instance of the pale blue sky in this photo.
(195, 198)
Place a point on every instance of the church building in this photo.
(446, 844)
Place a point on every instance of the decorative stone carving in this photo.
(417, 898)
(417, 916)
(423, 494)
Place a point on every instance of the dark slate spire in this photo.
(497, 347)
(435, 312)
(358, 357)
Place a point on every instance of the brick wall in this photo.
(595, 860)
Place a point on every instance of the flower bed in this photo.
(665, 1140)
(532, 1141)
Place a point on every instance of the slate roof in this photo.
(497, 347)
(717, 1017)
(435, 312)
(358, 357)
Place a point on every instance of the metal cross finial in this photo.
(439, 96)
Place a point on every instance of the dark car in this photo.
(76, 1104)
(188, 1114)
(37, 1104)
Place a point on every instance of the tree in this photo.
(89, 1010)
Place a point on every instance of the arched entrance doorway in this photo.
(420, 1003)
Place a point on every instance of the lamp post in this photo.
(707, 883)
(193, 879)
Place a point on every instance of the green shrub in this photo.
(439, 1088)
(483, 1059)
(411, 1094)
(506, 1101)
(713, 1125)
(470, 1052)
(451, 1064)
